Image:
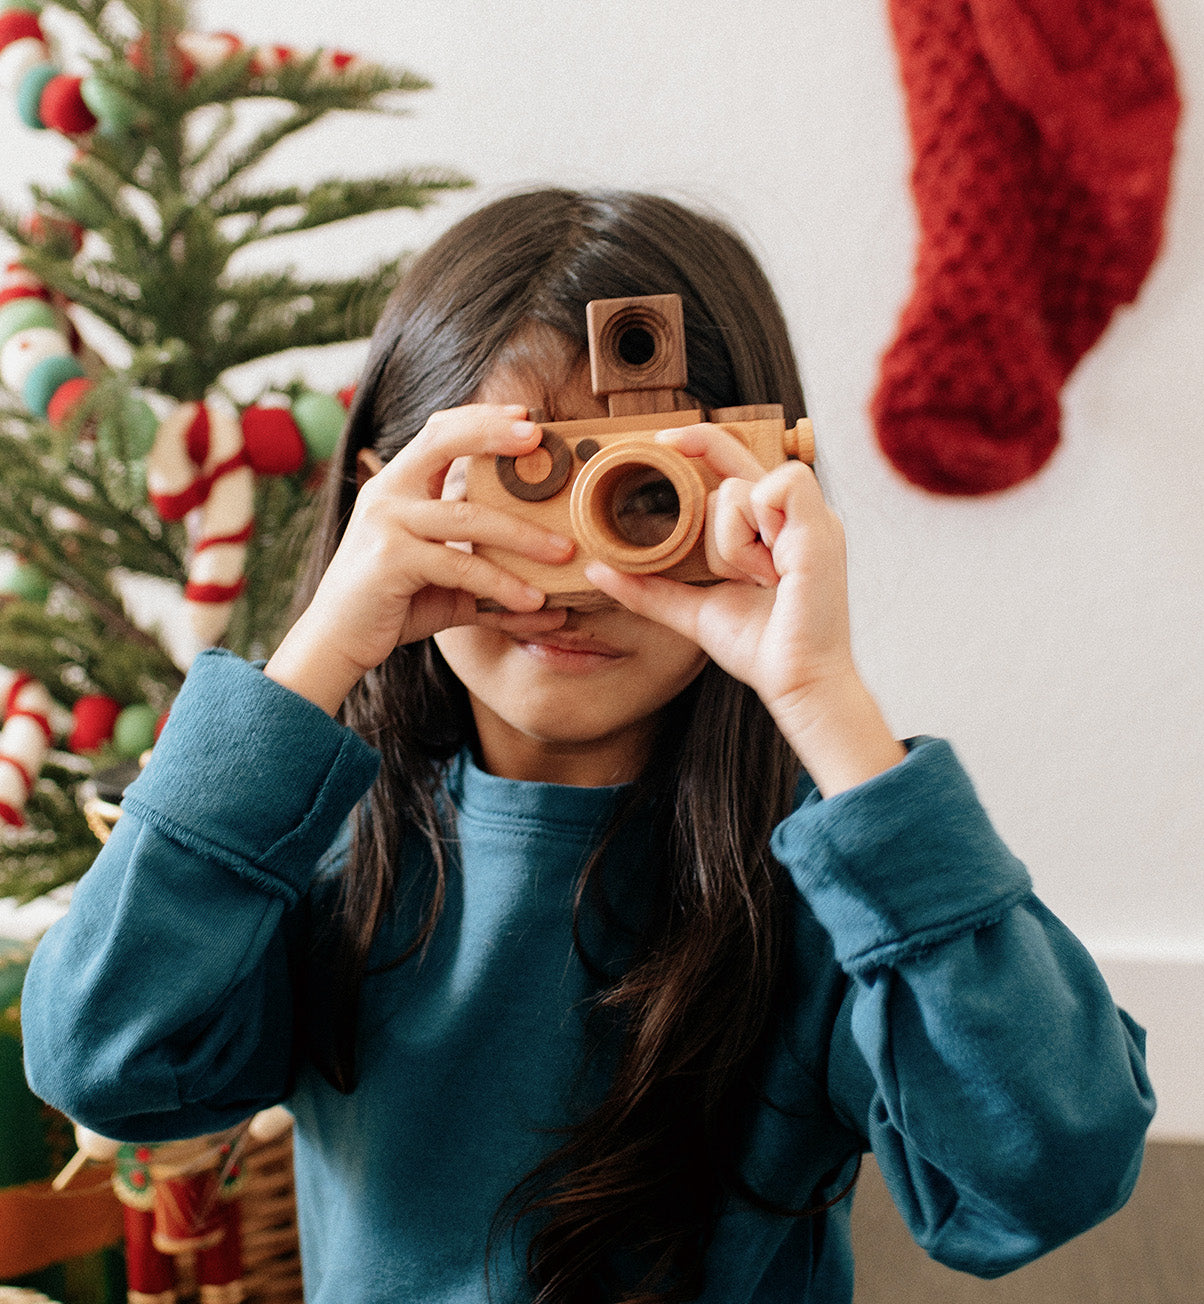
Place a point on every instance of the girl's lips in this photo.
(566, 650)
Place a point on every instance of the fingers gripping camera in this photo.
(605, 482)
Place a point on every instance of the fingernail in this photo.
(524, 429)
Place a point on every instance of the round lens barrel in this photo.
(638, 506)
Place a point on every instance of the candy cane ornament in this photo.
(25, 738)
(199, 461)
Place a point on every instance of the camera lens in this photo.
(644, 507)
(637, 505)
(636, 346)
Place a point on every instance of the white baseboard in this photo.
(1166, 996)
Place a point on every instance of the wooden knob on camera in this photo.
(800, 441)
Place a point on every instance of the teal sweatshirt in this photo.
(941, 1016)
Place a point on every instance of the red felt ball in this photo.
(269, 59)
(273, 442)
(41, 229)
(183, 69)
(93, 718)
(66, 399)
(17, 25)
(346, 395)
(62, 107)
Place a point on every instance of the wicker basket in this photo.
(271, 1253)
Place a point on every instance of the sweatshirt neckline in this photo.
(480, 794)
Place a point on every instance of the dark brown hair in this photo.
(622, 1209)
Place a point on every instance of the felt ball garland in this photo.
(273, 440)
(62, 106)
(31, 720)
(49, 98)
(320, 419)
(38, 347)
(46, 95)
(135, 729)
(208, 50)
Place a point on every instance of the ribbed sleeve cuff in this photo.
(902, 861)
(251, 774)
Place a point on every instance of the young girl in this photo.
(591, 946)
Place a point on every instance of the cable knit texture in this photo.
(1043, 134)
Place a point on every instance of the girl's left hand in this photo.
(781, 621)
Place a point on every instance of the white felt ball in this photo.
(208, 50)
(24, 350)
(18, 57)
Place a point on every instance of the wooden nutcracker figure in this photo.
(180, 1198)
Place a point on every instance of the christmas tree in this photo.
(124, 453)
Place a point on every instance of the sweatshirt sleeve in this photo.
(160, 1006)
(977, 1050)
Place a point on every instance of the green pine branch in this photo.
(74, 652)
(265, 320)
(40, 487)
(334, 201)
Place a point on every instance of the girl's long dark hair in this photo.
(623, 1208)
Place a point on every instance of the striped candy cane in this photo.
(199, 461)
(25, 738)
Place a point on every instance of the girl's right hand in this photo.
(394, 578)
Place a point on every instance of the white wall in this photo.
(1055, 632)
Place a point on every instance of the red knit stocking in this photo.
(1043, 132)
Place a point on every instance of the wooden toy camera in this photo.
(605, 482)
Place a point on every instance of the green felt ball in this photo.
(112, 107)
(320, 419)
(21, 314)
(134, 731)
(29, 93)
(27, 582)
